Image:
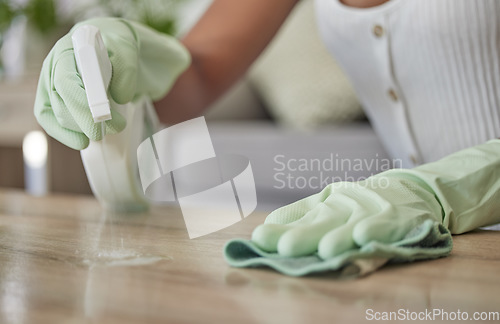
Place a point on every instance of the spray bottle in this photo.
(111, 164)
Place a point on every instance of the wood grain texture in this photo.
(62, 260)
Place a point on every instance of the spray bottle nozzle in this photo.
(95, 69)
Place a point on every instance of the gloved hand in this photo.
(397, 215)
(345, 216)
(144, 62)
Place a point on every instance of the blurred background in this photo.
(295, 106)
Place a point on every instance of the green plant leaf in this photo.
(166, 26)
(6, 15)
(42, 15)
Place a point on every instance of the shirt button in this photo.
(378, 31)
(393, 95)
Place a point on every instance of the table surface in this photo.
(63, 260)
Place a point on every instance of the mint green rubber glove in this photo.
(144, 62)
(397, 215)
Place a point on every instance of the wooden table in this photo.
(62, 260)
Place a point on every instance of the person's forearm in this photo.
(223, 44)
(186, 100)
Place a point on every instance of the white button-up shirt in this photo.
(426, 71)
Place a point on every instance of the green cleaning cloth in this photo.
(395, 216)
